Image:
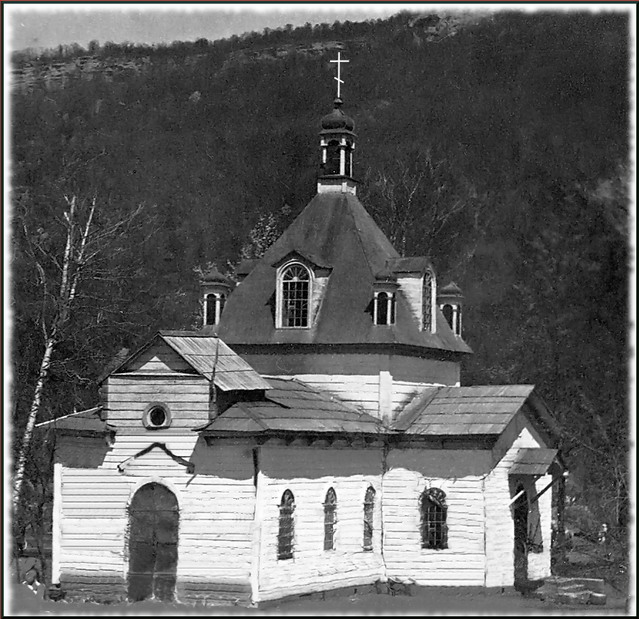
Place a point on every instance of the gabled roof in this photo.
(533, 461)
(462, 411)
(335, 230)
(292, 406)
(209, 356)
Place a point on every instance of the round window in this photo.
(157, 416)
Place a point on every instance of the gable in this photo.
(201, 354)
(158, 358)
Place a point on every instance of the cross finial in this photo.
(339, 62)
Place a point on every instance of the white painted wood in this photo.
(411, 287)
(410, 472)
(56, 530)
(308, 473)
(385, 397)
(216, 508)
(539, 563)
(499, 520)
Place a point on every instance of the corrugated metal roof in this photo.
(335, 230)
(454, 411)
(212, 358)
(533, 461)
(293, 406)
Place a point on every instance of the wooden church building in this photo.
(312, 436)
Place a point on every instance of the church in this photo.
(313, 435)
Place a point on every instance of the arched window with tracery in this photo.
(434, 512)
(369, 508)
(286, 530)
(295, 291)
(427, 301)
(330, 507)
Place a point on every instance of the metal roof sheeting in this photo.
(212, 358)
(453, 411)
(293, 406)
(83, 422)
(334, 229)
(533, 461)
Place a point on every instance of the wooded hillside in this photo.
(498, 146)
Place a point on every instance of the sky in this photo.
(46, 26)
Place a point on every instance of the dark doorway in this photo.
(153, 542)
(520, 516)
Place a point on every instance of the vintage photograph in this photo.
(319, 308)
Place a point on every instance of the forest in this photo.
(497, 145)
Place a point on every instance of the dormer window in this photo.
(428, 302)
(294, 294)
(214, 305)
(384, 308)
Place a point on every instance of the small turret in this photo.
(450, 301)
(215, 289)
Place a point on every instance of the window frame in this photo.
(433, 526)
(330, 518)
(219, 300)
(279, 313)
(390, 310)
(429, 292)
(146, 416)
(285, 534)
(369, 518)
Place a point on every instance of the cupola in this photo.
(450, 301)
(337, 142)
(215, 289)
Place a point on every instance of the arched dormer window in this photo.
(214, 305)
(294, 294)
(434, 511)
(285, 536)
(369, 508)
(428, 302)
(384, 308)
(330, 506)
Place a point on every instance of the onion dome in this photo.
(451, 290)
(213, 276)
(337, 120)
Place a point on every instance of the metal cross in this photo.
(339, 62)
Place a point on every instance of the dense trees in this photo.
(500, 149)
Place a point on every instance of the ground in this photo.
(584, 559)
(431, 601)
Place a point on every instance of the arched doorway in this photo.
(153, 543)
(520, 517)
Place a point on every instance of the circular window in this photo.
(157, 416)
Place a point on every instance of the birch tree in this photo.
(62, 263)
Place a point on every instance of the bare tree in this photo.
(414, 197)
(86, 237)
